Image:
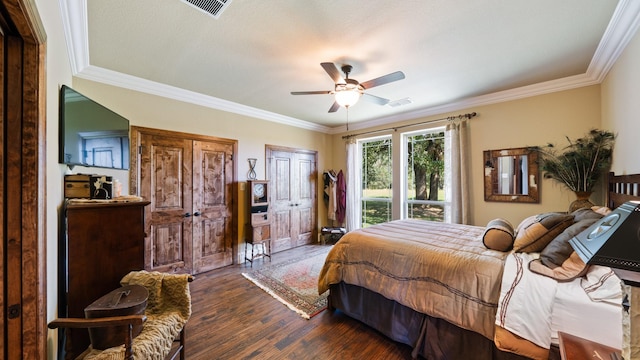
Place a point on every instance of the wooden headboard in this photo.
(622, 188)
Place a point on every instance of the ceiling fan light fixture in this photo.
(348, 94)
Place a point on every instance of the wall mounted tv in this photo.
(91, 134)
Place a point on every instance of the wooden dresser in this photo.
(103, 242)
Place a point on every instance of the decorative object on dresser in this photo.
(104, 240)
(580, 165)
(252, 168)
(259, 228)
(88, 186)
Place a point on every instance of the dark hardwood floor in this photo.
(234, 319)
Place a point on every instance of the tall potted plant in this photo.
(580, 165)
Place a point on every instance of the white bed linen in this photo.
(576, 314)
(536, 307)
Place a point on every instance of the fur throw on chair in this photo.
(168, 309)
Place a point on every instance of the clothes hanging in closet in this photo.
(330, 180)
(341, 195)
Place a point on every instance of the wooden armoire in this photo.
(103, 242)
(188, 179)
(293, 177)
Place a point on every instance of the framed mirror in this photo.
(511, 175)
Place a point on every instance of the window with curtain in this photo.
(376, 171)
(423, 175)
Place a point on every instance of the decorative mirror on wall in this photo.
(511, 175)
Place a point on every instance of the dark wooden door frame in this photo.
(23, 180)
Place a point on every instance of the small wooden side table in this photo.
(258, 235)
(332, 233)
(576, 348)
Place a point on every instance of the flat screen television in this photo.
(91, 134)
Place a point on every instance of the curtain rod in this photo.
(449, 118)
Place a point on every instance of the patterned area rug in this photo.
(295, 282)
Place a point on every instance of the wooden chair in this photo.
(153, 318)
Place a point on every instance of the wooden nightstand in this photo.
(576, 348)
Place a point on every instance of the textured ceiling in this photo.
(453, 53)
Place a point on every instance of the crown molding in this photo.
(109, 77)
(621, 29)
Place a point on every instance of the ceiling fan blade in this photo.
(310, 92)
(395, 76)
(333, 72)
(334, 107)
(375, 99)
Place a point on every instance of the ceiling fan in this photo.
(348, 91)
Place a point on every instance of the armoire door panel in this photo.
(213, 176)
(293, 174)
(306, 200)
(213, 233)
(165, 173)
(304, 183)
(283, 183)
(281, 231)
(168, 253)
(167, 177)
(306, 225)
(212, 194)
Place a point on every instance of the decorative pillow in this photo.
(586, 213)
(601, 210)
(559, 249)
(571, 268)
(498, 235)
(535, 232)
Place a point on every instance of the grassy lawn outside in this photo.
(379, 211)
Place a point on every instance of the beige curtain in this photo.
(457, 172)
(352, 178)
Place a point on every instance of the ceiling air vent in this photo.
(211, 7)
(400, 102)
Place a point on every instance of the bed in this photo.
(452, 296)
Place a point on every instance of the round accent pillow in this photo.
(498, 235)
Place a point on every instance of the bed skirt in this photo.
(431, 338)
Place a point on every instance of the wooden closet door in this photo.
(212, 194)
(293, 176)
(165, 181)
(305, 176)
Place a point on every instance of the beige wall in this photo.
(252, 134)
(621, 108)
(526, 122)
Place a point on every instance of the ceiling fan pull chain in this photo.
(347, 118)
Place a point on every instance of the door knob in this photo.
(187, 215)
(197, 213)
